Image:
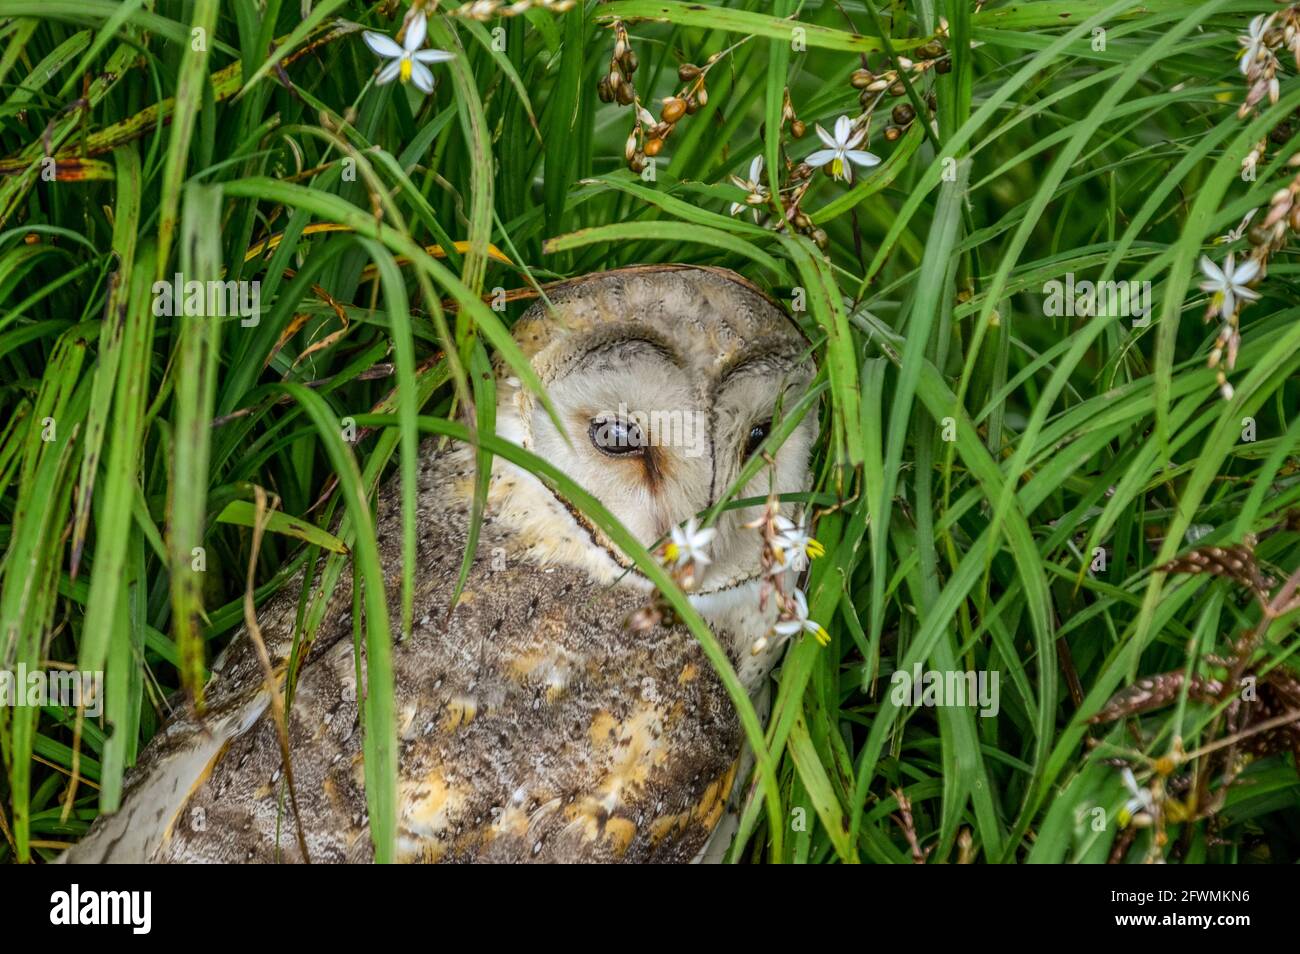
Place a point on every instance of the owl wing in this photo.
(532, 725)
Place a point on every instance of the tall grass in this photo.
(999, 489)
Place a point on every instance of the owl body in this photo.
(533, 723)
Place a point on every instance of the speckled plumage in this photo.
(533, 724)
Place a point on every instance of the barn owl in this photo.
(533, 723)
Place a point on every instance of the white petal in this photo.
(415, 32)
(433, 56)
(382, 45)
(1229, 304)
(1245, 294)
(820, 157)
(843, 129)
(704, 537)
(389, 72)
(800, 604)
(825, 136)
(1211, 271)
(1245, 272)
(862, 158)
(846, 168)
(788, 628)
(421, 76)
(756, 169)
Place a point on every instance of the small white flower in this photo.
(798, 621)
(406, 62)
(1234, 235)
(1228, 284)
(794, 546)
(757, 193)
(842, 150)
(1254, 40)
(689, 543)
(1142, 800)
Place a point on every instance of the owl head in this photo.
(666, 379)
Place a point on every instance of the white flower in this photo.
(794, 546)
(1254, 40)
(689, 543)
(798, 621)
(406, 62)
(1142, 800)
(842, 152)
(757, 194)
(1228, 284)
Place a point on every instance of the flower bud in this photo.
(861, 79)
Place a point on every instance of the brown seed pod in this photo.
(903, 114)
(687, 72)
(1259, 235)
(626, 94)
(821, 238)
(892, 133)
(702, 96)
(802, 221)
(1295, 219)
(797, 128)
(637, 163)
(932, 50)
(630, 62)
(861, 79)
(898, 89)
(604, 90)
(674, 109)
(865, 97)
(943, 66)
(692, 105)
(652, 146)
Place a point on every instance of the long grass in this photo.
(999, 489)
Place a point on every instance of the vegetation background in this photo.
(976, 450)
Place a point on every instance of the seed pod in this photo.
(877, 85)
(932, 50)
(931, 101)
(674, 109)
(637, 162)
(661, 130)
(903, 114)
(1295, 219)
(629, 150)
(652, 146)
(687, 72)
(702, 96)
(692, 105)
(943, 66)
(626, 94)
(630, 62)
(604, 90)
(861, 79)
(802, 221)
(892, 133)
(801, 171)
(1259, 235)
(821, 238)
(898, 89)
(797, 128)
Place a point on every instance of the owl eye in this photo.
(757, 434)
(616, 438)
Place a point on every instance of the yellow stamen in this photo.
(405, 74)
(815, 549)
(837, 167)
(671, 552)
(823, 638)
